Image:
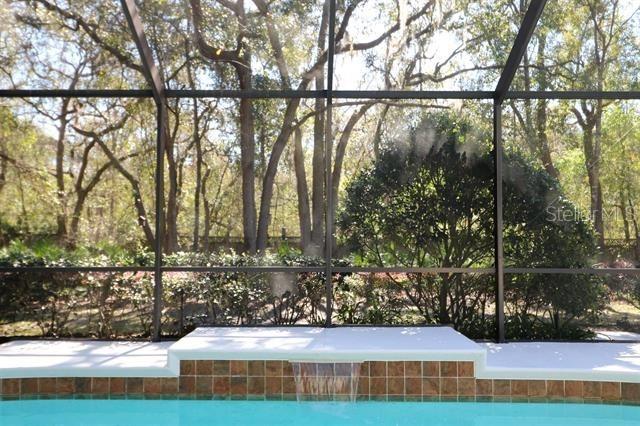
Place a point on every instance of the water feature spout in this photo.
(326, 381)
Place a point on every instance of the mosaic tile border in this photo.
(274, 380)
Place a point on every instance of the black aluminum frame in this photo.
(160, 93)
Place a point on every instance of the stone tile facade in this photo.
(274, 380)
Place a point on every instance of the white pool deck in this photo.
(563, 361)
(568, 361)
(74, 358)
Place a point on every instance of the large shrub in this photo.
(428, 202)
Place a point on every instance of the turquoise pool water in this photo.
(171, 413)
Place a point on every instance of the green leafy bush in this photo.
(428, 202)
(240, 298)
(108, 305)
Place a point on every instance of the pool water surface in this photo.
(199, 412)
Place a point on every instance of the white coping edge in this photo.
(39, 372)
(483, 372)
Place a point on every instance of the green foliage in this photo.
(108, 305)
(46, 252)
(74, 303)
(405, 209)
(542, 227)
(635, 294)
(428, 203)
(231, 258)
(8, 232)
(240, 298)
(412, 299)
(367, 300)
(48, 299)
(554, 306)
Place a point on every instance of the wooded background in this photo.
(77, 174)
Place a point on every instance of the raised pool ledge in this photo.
(347, 344)
(83, 358)
(591, 361)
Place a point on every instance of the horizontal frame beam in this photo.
(222, 269)
(247, 94)
(76, 93)
(71, 269)
(314, 94)
(576, 271)
(410, 270)
(320, 269)
(247, 269)
(408, 94)
(574, 94)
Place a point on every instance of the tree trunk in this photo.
(196, 199)
(601, 45)
(593, 174)
(247, 137)
(171, 215)
(75, 218)
(247, 164)
(63, 118)
(318, 163)
(443, 295)
(625, 218)
(3, 161)
(590, 123)
(61, 217)
(597, 156)
(240, 58)
(528, 120)
(272, 169)
(137, 194)
(544, 153)
(197, 141)
(636, 228)
(341, 149)
(303, 193)
(377, 137)
(318, 173)
(207, 210)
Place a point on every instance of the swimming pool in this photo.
(197, 412)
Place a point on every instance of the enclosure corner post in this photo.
(328, 158)
(159, 223)
(498, 220)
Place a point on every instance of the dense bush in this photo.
(120, 304)
(240, 298)
(427, 202)
(77, 303)
(402, 298)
